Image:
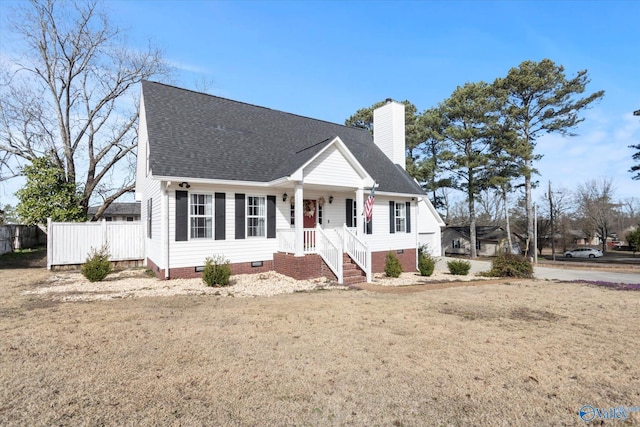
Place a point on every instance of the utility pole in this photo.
(553, 230)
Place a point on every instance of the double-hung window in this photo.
(401, 218)
(201, 216)
(293, 215)
(256, 216)
(149, 218)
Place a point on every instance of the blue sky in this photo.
(327, 59)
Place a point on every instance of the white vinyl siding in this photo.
(201, 216)
(256, 216)
(194, 252)
(150, 188)
(381, 239)
(331, 168)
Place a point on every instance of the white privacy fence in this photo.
(69, 243)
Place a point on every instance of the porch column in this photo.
(360, 211)
(299, 220)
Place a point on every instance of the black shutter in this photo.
(369, 226)
(392, 217)
(349, 219)
(220, 216)
(240, 216)
(408, 213)
(182, 215)
(271, 217)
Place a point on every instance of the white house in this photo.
(271, 190)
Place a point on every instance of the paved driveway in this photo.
(554, 273)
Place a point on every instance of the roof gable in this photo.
(334, 165)
(200, 136)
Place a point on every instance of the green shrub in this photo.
(216, 271)
(97, 266)
(426, 264)
(392, 265)
(509, 265)
(459, 267)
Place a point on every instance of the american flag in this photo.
(368, 205)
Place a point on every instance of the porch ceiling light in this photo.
(284, 197)
(184, 184)
(330, 199)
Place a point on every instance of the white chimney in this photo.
(388, 131)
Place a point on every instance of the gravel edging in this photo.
(134, 283)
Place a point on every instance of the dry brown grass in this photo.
(526, 353)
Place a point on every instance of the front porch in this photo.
(347, 258)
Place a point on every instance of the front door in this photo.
(309, 221)
(309, 214)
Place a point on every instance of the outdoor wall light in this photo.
(184, 184)
(330, 199)
(284, 197)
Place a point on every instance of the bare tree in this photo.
(555, 205)
(595, 204)
(72, 97)
(490, 207)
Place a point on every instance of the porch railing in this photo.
(309, 240)
(330, 253)
(357, 250)
(287, 240)
(318, 241)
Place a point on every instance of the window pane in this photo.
(400, 217)
(355, 214)
(256, 207)
(201, 219)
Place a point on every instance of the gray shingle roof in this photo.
(197, 135)
(122, 208)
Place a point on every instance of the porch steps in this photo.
(351, 272)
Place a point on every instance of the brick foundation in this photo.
(190, 272)
(302, 268)
(407, 260)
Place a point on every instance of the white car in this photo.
(583, 253)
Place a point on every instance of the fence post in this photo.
(49, 243)
(104, 233)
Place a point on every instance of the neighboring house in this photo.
(271, 190)
(490, 240)
(119, 212)
(580, 238)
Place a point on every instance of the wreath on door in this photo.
(309, 208)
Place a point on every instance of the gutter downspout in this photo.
(165, 201)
